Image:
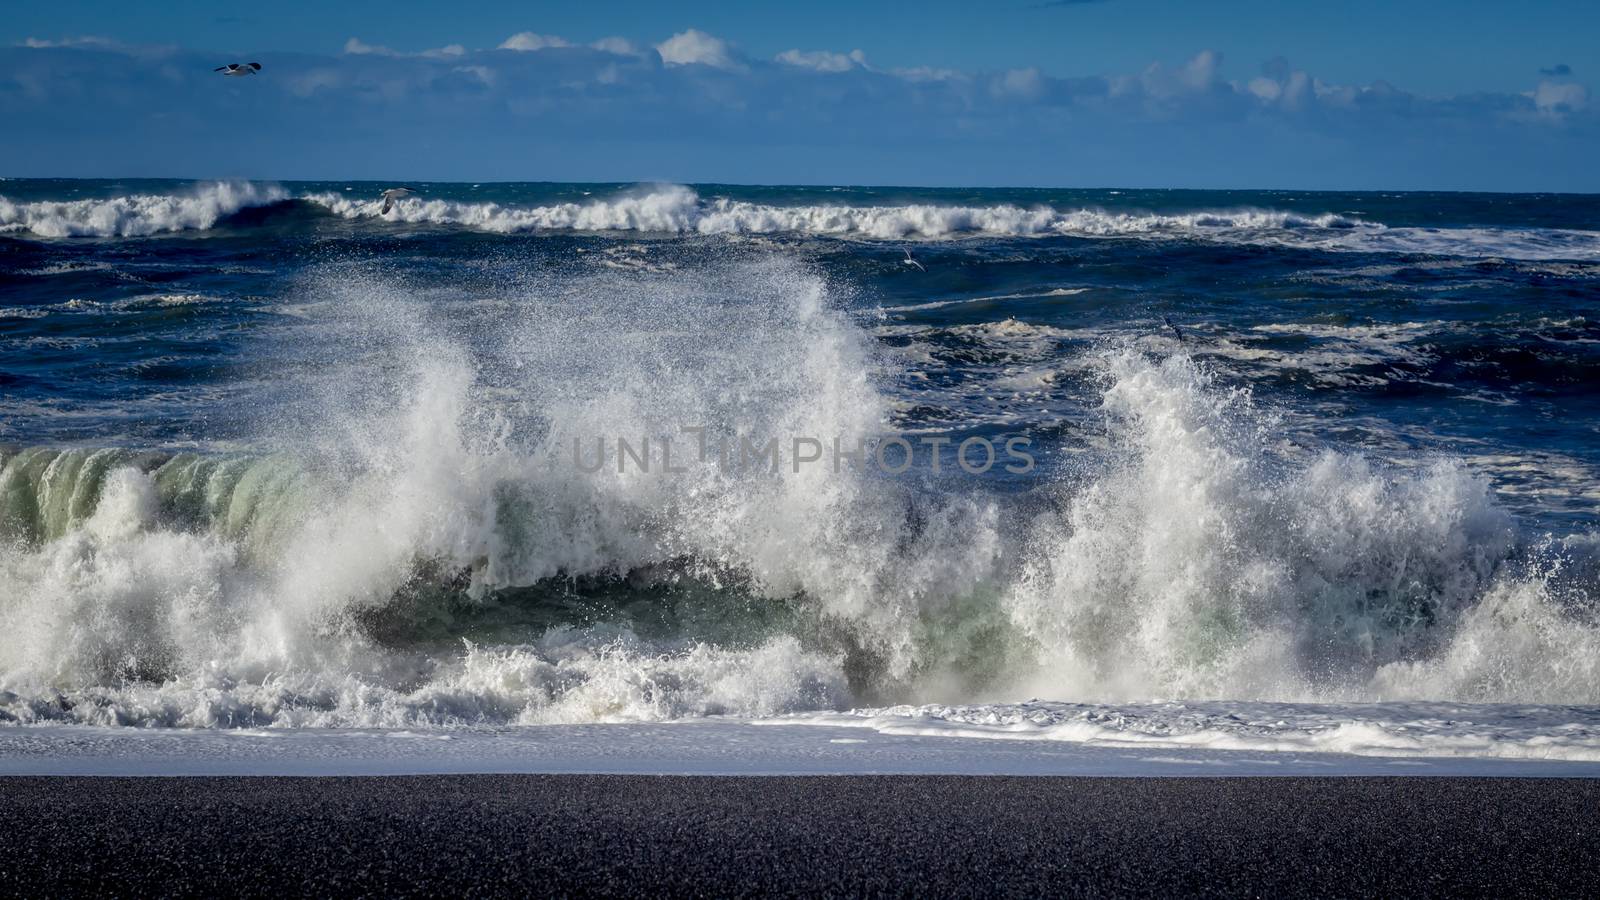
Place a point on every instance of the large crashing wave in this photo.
(421, 498)
(136, 215)
(1200, 564)
(423, 551)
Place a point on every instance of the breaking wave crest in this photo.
(136, 215)
(420, 550)
(675, 209)
(678, 210)
(1199, 563)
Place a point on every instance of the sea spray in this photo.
(1202, 563)
(410, 547)
(416, 477)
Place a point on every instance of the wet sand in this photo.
(610, 834)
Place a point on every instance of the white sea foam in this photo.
(675, 209)
(939, 304)
(1191, 559)
(132, 614)
(1339, 352)
(1427, 730)
(135, 215)
(1201, 564)
(665, 209)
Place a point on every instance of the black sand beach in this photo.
(567, 834)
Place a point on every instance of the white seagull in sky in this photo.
(911, 262)
(238, 68)
(390, 196)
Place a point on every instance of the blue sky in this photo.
(1433, 94)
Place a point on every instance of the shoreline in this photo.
(580, 834)
(705, 747)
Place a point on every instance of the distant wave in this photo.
(666, 209)
(675, 209)
(136, 215)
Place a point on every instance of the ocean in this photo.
(1267, 471)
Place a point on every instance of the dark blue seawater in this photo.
(1338, 424)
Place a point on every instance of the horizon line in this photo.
(802, 184)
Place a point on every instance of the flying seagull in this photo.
(390, 196)
(238, 68)
(911, 262)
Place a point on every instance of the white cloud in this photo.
(1158, 81)
(484, 74)
(617, 45)
(1555, 98)
(308, 83)
(823, 60)
(1025, 83)
(930, 73)
(529, 40)
(695, 47)
(1265, 89)
(84, 41)
(358, 47)
(1288, 91)
(1336, 95)
(1201, 72)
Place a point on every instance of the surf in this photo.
(136, 215)
(415, 551)
(669, 209)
